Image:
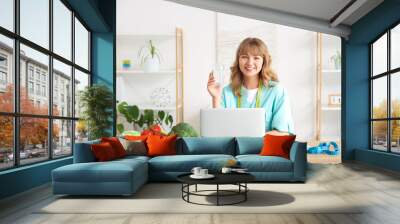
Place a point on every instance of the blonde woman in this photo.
(253, 84)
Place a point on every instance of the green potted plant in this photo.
(146, 119)
(150, 58)
(184, 130)
(336, 59)
(96, 102)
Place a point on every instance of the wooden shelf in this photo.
(331, 71)
(151, 107)
(146, 37)
(139, 73)
(329, 108)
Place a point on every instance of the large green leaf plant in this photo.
(143, 119)
(96, 103)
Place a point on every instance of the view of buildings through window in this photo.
(385, 80)
(31, 111)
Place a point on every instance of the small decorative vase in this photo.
(151, 65)
(126, 64)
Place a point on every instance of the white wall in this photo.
(293, 52)
(161, 17)
(293, 58)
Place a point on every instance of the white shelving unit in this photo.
(328, 83)
(137, 87)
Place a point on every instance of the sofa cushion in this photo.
(111, 171)
(248, 145)
(159, 145)
(277, 145)
(206, 145)
(116, 145)
(257, 163)
(185, 163)
(83, 152)
(103, 152)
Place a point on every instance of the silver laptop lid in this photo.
(232, 122)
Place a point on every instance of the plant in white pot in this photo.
(150, 58)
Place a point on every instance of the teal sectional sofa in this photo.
(125, 176)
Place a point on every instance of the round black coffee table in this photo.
(238, 179)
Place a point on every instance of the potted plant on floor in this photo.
(96, 102)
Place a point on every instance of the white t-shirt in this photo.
(251, 94)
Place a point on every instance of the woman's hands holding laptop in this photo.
(214, 88)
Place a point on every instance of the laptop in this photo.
(232, 122)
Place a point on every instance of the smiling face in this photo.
(250, 64)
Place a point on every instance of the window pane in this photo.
(379, 98)
(34, 79)
(81, 81)
(62, 29)
(7, 14)
(6, 142)
(81, 131)
(62, 138)
(33, 139)
(379, 55)
(62, 89)
(6, 74)
(395, 136)
(395, 47)
(81, 45)
(379, 135)
(35, 21)
(395, 94)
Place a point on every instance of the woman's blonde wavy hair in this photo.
(256, 47)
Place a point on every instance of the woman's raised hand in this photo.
(213, 87)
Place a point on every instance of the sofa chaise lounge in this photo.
(125, 176)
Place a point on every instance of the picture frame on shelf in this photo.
(334, 100)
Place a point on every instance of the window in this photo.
(44, 91)
(3, 72)
(6, 74)
(30, 87)
(81, 45)
(385, 94)
(3, 78)
(38, 89)
(30, 72)
(35, 21)
(45, 131)
(37, 75)
(7, 14)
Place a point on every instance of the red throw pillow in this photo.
(116, 145)
(158, 145)
(277, 145)
(103, 152)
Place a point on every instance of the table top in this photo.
(220, 178)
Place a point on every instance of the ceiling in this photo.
(315, 15)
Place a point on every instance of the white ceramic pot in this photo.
(151, 65)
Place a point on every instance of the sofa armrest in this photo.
(83, 152)
(298, 155)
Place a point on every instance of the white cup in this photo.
(196, 171)
(226, 170)
(203, 172)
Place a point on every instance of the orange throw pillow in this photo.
(103, 152)
(277, 145)
(116, 145)
(161, 145)
(136, 138)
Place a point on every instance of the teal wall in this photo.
(100, 17)
(355, 84)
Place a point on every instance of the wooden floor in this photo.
(377, 188)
